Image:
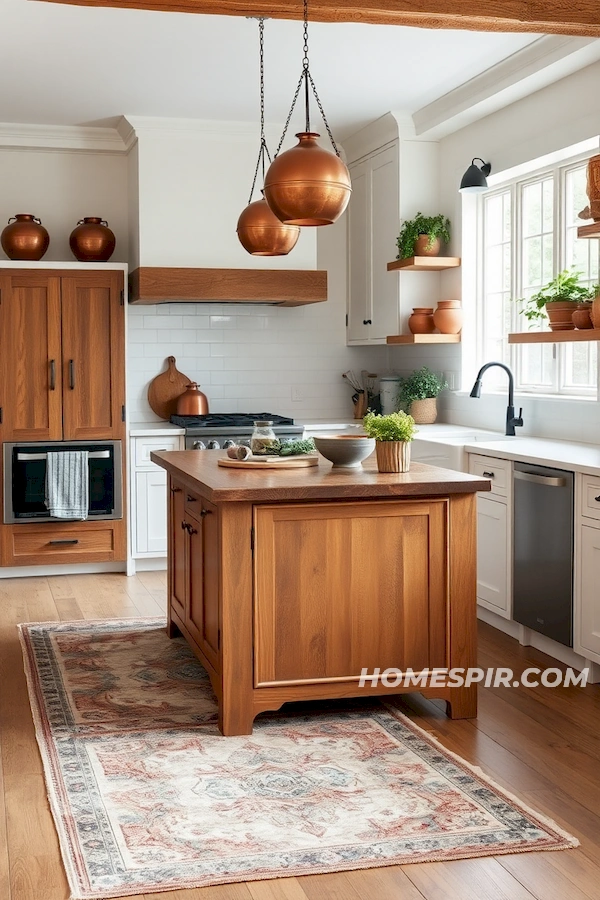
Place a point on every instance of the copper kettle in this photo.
(192, 402)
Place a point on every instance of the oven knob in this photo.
(227, 444)
(199, 445)
(214, 445)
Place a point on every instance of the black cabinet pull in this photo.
(191, 530)
(183, 526)
(175, 490)
(367, 322)
(205, 512)
(72, 374)
(488, 475)
(191, 499)
(52, 374)
(65, 541)
(597, 499)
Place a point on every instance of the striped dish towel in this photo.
(67, 484)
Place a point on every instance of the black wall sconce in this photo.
(475, 178)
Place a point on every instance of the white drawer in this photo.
(497, 470)
(590, 497)
(144, 446)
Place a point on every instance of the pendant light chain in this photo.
(306, 77)
(264, 150)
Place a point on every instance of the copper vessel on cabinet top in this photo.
(92, 240)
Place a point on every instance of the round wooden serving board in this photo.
(269, 462)
(165, 389)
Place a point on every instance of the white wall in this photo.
(62, 186)
(552, 119)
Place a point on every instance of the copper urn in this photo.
(24, 238)
(192, 402)
(261, 233)
(92, 240)
(307, 185)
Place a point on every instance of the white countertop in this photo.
(151, 429)
(559, 454)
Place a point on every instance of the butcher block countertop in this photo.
(199, 469)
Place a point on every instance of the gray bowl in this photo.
(345, 451)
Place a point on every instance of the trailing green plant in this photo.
(433, 226)
(566, 287)
(396, 426)
(420, 385)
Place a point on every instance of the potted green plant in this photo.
(419, 391)
(393, 434)
(556, 301)
(422, 236)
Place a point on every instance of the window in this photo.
(528, 235)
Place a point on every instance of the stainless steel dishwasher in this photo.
(543, 550)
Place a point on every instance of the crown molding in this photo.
(134, 127)
(543, 62)
(385, 130)
(77, 138)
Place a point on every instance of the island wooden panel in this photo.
(540, 16)
(281, 287)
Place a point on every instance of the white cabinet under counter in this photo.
(587, 567)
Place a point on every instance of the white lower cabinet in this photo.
(494, 535)
(149, 496)
(587, 568)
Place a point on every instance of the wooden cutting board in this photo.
(165, 389)
(269, 462)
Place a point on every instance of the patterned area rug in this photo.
(147, 796)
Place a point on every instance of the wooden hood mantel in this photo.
(281, 287)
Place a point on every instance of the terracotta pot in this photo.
(192, 402)
(92, 240)
(448, 317)
(420, 248)
(582, 317)
(559, 315)
(421, 320)
(393, 456)
(424, 412)
(595, 312)
(24, 237)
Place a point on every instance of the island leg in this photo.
(462, 701)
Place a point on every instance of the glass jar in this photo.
(263, 438)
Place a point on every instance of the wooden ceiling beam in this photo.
(543, 16)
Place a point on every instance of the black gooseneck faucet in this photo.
(512, 421)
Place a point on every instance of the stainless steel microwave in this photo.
(25, 479)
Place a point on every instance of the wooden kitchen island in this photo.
(287, 583)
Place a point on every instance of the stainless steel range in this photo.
(222, 430)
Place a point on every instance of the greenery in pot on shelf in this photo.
(393, 434)
(419, 392)
(565, 288)
(433, 226)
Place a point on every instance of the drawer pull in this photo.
(191, 530)
(205, 512)
(597, 499)
(489, 475)
(191, 499)
(65, 541)
(175, 490)
(72, 374)
(183, 526)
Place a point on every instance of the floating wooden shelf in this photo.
(554, 337)
(589, 231)
(424, 263)
(423, 339)
(281, 287)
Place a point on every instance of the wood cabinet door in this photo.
(178, 564)
(93, 339)
(342, 587)
(202, 618)
(30, 349)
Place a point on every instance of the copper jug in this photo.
(25, 237)
(92, 240)
(192, 402)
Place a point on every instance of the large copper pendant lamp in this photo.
(259, 230)
(307, 185)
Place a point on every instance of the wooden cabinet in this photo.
(194, 570)
(373, 225)
(63, 355)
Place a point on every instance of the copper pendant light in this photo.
(259, 230)
(307, 185)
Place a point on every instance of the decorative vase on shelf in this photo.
(24, 238)
(393, 456)
(448, 317)
(582, 316)
(422, 247)
(424, 412)
(92, 240)
(421, 320)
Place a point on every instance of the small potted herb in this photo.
(422, 236)
(393, 434)
(419, 392)
(556, 301)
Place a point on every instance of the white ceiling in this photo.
(70, 65)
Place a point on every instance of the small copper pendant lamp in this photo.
(259, 230)
(307, 185)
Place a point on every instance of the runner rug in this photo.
(147, 796)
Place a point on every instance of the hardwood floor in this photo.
(542, 744)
